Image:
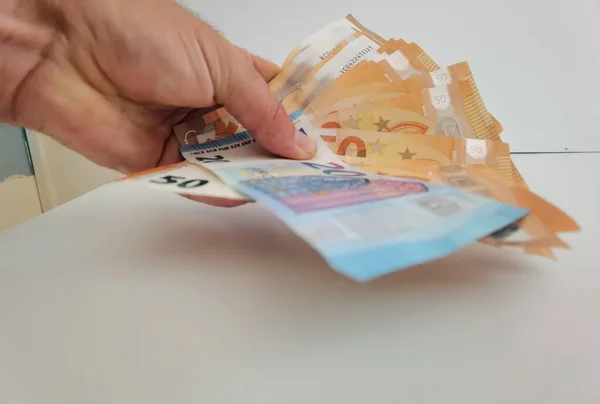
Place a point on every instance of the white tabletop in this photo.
(129, 295)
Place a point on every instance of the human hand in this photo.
(109, 79)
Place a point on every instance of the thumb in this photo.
(247, 97)
(267, 69)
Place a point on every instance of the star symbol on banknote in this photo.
(382, 124)
(407, 155)
(377, 147)
(351, 123)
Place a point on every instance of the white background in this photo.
(536, 62)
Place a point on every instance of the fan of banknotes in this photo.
(410, 165)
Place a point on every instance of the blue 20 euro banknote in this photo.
(364, 225)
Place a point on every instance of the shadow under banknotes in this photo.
(257, 243)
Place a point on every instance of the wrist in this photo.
(24, 39)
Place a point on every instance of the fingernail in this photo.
(305, 143)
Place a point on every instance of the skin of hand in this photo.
(109, 79)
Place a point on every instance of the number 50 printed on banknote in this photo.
(364, 225)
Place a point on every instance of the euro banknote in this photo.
(185, 179)
(537, 233)
(390, 148)
(364, 225)
(322, 42)
(381, 107)
(301, 62)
